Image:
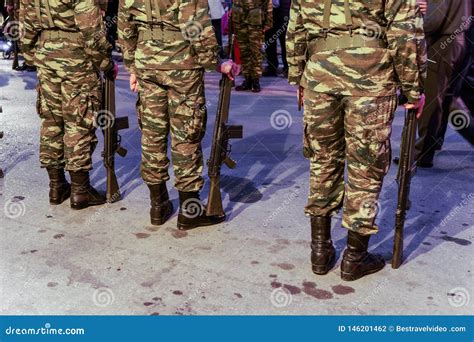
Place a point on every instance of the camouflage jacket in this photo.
(82, 17)
(364, 71)
(194, 44)
(253, 12)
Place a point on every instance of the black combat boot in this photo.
(192, 213)
(246, 85)
(256, 86)
(59, 188)
(83, 195)
(161, 206)
(323, 253)
(357, 262)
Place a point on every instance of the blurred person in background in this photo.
(216, 11)
(445, 25)
(281, 16)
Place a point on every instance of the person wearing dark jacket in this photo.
(445, 24)
(281, 16)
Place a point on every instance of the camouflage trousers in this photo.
(354, 132)
(250, 39)
(172, 101)
(67, 104)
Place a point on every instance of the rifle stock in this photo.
(404, 179)
(214, 202)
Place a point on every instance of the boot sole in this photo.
(324, 269)
(350, 277)
(193, 226)
(80, 206)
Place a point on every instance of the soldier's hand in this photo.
(230, 69)
(423, 4)
(420, 104)
(9, 10)
(133, 83)
(300, 95)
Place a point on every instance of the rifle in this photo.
(404, 175)
(110, 125)
(16, 49)
(220, 150)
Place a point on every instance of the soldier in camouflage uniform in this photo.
(65, 41)
(250, 19)
(167, 46)
(349, 58)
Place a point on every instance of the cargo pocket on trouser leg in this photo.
(52, 131)
(369, 160)
(80, 139)
(188, 130)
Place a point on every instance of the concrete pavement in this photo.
(110, 260)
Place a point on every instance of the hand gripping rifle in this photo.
(110, 126)
(220, 150)
(404, 175)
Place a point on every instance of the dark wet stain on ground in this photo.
(309, 284)
(142, 235)
(284, 266)
(275, 284)
(178, 293)
(426, 243)
(156, 299)
(255, 262)
(18, 198)
(465, 224)
(443, 232)
(272, 275)
(58, 236)
(430, 298)
(155, 314)
(342, 290)
(49, 216)
(461, 242)
(148, 303)
(317, 293)
(52, 284)
(123, 208)
(238, 295)
(292, 289)
(178, 234)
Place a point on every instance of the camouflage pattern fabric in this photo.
(170, 76)
(172, 101)
(350, 98)
(66, 106)
(359, 71)
(249, 18)
(69, 87)
(352, 130)
(196, 48)
(90, 52)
